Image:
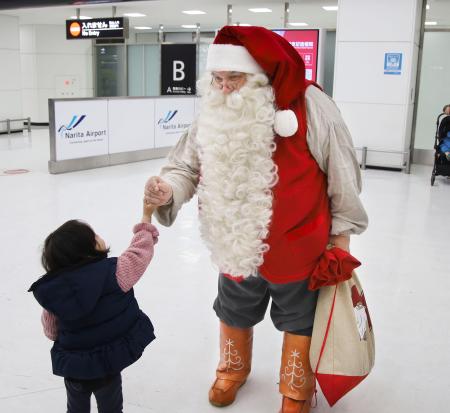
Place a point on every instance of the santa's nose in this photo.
(227, 89)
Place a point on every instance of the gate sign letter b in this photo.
(178, 70)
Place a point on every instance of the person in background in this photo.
(90, 311)
(445, 146)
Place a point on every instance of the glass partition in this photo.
(133, 70)
(202, 54)
(110, 68)
(434, 90)
(152, 69)
(135, 57)
(144, 62)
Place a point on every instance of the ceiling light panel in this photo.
(298, 24)
(134, 15)
(330, 8)
(260, 10)
(193, 12)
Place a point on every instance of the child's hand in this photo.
(147, 211)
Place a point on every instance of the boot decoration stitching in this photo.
(294, 374)
(231, 357)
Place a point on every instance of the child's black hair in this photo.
(73, 243)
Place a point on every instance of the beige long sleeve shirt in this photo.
(330, 144)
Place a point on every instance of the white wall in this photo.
(52, 67)
(10, 84)
(377, 107)
(434, 90)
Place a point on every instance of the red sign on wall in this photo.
(306, 42)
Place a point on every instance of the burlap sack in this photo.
(343, 347)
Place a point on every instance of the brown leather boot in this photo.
(296, 377)
(234, 365)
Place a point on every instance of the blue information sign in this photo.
(393, 63)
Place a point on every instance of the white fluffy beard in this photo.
(236, 141)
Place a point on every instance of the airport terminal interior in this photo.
(385, 63)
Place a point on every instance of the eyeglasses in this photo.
(232, 81)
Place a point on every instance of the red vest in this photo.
(301, 221)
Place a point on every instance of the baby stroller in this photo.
(441, 163)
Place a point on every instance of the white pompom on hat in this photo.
(286, 123)
(258, 50)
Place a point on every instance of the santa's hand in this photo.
(341, 241)
(157, 191)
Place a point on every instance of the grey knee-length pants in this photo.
(244, 304)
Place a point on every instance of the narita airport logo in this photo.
(166, 121)
(68, 131)
(169, 116)
(76, 120)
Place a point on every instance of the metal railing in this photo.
(406, 166)
(8, 125)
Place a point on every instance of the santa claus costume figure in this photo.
(277, 180)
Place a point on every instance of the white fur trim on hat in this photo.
(286, 123)
(228, 57)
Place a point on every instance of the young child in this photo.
(445, 146)
(90, 310)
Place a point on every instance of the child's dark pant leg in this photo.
(109, 397)
(107, 392)
(78, 397)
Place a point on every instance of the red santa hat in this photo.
(258, 50)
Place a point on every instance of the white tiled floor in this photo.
(406, 275)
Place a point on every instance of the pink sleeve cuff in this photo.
(132, 264)
(146, 226)
(50, 325)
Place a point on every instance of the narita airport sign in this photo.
(105, 28)
(93, 134)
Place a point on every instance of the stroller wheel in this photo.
(432, 179)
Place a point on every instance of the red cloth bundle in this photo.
(335, 266)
